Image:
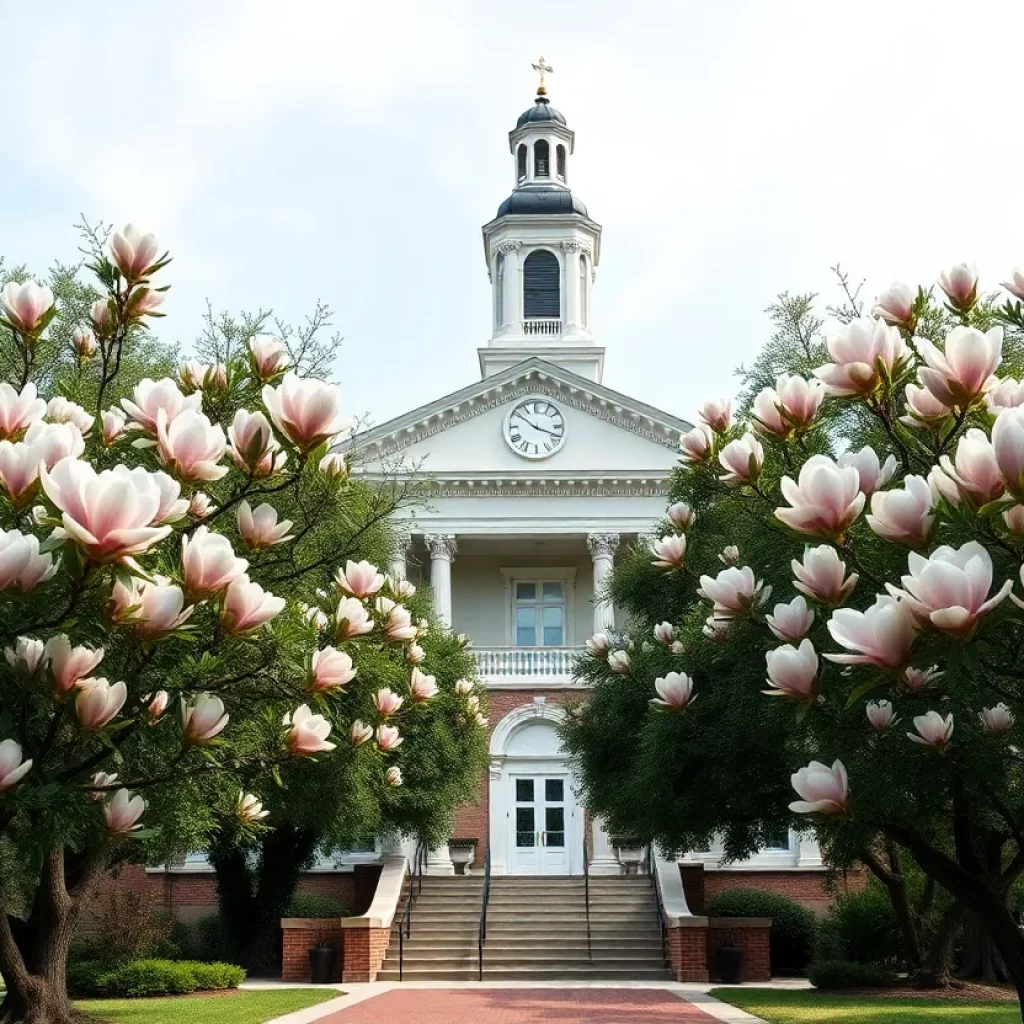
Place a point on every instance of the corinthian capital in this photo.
(510, 246)
(441, 545)
(602, 545)
(572, 245)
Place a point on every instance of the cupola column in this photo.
(570, 260)
(511, 303)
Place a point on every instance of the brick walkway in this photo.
(522, 1006)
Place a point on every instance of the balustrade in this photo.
(525, 662)
(549, 328)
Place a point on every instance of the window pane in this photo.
(526, 591)
(777, 839)
(554, 790)
(526, 627)
(553, 632)
(551, 590)
(553, 615)
(554, 819)
(528, 638)
(525, 833)
(553, 636)
(524, 791)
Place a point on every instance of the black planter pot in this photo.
(729, 964)
(321, 964)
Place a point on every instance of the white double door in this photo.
(542, 824)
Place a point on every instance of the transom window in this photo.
(539, 613)
(777, 840)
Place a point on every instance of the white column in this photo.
(403, 541)
(511, 302)
(602, 857)
(602, 550)
(442, 549)
(571, 280)
(439, 861)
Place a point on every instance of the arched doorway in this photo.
(536, 823)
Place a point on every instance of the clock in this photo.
(535, 428)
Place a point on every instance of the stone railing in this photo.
(548, 328)
(525, 664)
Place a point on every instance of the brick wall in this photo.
(299, 935)
(752, 938)
(364, 949)
(688, 953)
(806, 887)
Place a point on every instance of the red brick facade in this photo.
(688, 953)
(299, 936)
(364, 949)
(805, 886)
(751, 936)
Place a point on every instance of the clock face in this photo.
(535, 428)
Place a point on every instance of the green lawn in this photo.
(245, 1008)
(818, 1008)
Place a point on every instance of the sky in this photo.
(297, 151)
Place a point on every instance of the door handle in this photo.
(542, 837)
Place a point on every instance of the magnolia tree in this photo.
(182, 622)
(834, 597)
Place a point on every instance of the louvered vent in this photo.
(541, 275)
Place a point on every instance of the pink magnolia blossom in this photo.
(248, 809)
(943, 487)
(26, 656)
(960, 283)
(112, 422)
(964, 370)
(948, 589)
(618, 661)
(388, 737)
(110, 515)
(933, 730)
(133, 251)
(19, 471)
(422, 686)
(360, 733)
(402, 589)
(717, 414)
(334, 467)
(398, 624)
(923, 409)
(306, 411)
(100, 784)
(669, 552)
(122, 812)
(260, 529)
(156, 706)
(415, 655)
(792, 671)
(918, 678)
(191, 373)
(976, 470)
(1008, 448)
(160, 608)
(351, 619)
(734, 591)
(150, 396)
(247, 606)
(599, 645)
(62, 410)
(98, 702)
(393, 776)
(200, 505)
(25, 305)
(360, 579)
(1014, 520)
(215, 377)
(208, 563)
(307, 733)
(767, 414)
(313, 616)
(881, 635)
(202, 720)
(191, 446)
(825, 499)
(330, 669)
(1004, 394)
(21, 564)
(269, 356)
(729, 555)
(83, 341)
(665, 633)
(864, 352)
(997, 720)
(69, 665)
(675, 692)
(822, 790)
(677, 647)
(101, 316)
(874, 475)
(791, 622)
(880, 714)
(386, 701)
(896, 305)
(680, 515)
(464, 686)
(253, 446)
(697, 444)
(742, 460)
(145, 302)
(55, 441)
(1015, 286)
(904, 515)
(12, 768)
(19, 409)
(792, 404)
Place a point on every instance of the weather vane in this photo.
(542, 68)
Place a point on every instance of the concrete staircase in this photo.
(536, 929)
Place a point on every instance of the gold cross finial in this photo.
(540, 67)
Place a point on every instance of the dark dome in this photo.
(540, 111)
(542, 200)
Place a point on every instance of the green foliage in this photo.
(205, 939)
(861, 927)
(246, 1007)
(139, 978)
(793, 925)
(315, 905)
(839, 974)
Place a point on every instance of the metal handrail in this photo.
(419, 864)
(651, 863)
(482, 933)
(586, 896)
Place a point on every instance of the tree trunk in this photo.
(936, 969)
(1009, 941)
(982, 960)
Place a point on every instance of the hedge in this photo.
(312, 904)
(793, 926)
(836, 974)
(151, 978)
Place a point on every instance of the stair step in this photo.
(525, 974)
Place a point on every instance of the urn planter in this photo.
(729, 963)
(630, 854)
(462, 853)
(321, 964)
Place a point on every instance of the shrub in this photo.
(127, 928)
(211, 976)
(793, 926)
(312, 904)
(834, 974)
(861, 928)
(205, 940)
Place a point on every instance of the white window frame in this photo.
(564, 574)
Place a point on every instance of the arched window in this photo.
(584, 295)
(560, 158)
(521, 162)
(541, 159)
(499, 290)
(542, 285)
